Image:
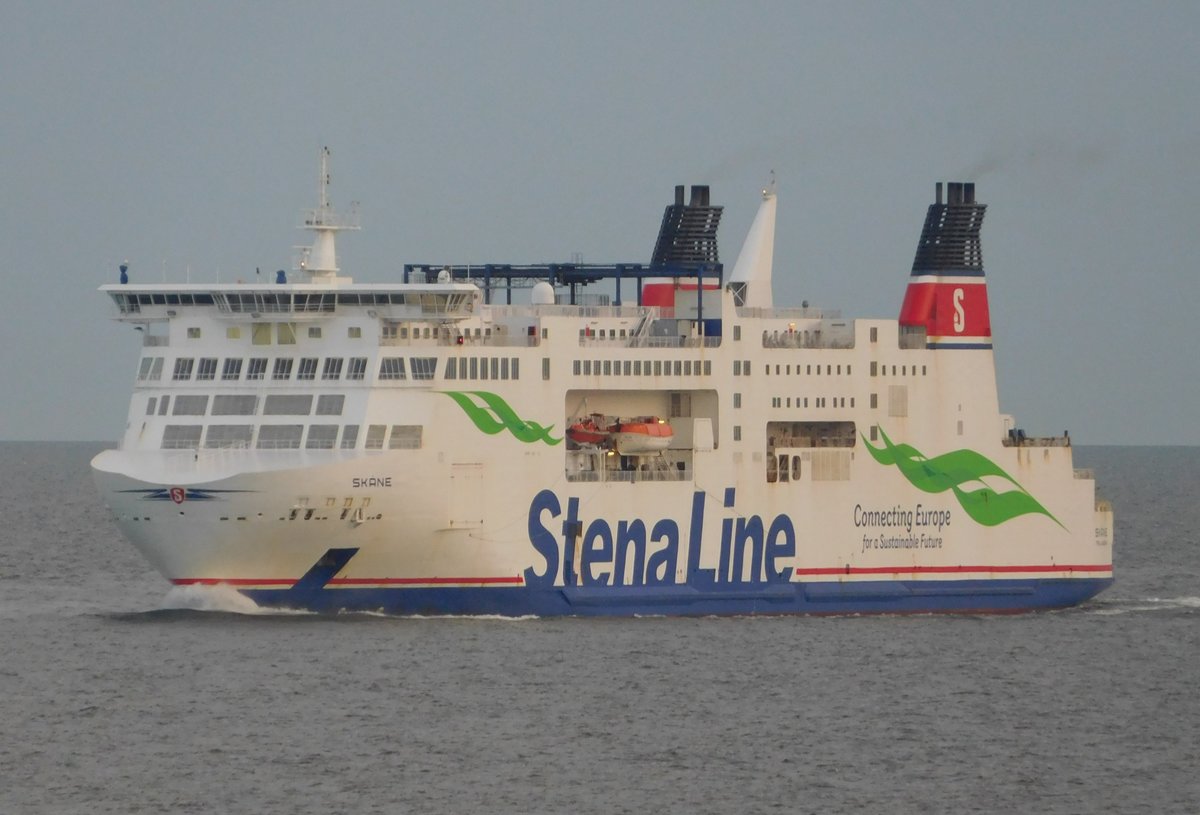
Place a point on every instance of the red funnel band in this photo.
(958, 309)
(662, 294)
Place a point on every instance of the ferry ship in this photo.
(673, 444)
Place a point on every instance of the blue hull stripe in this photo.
(865, 597)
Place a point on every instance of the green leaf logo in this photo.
(955, 470)
(495, 415)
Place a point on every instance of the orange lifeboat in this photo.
(590, 431)
(642, 436)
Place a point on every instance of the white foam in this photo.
(221, 597)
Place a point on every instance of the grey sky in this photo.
(181, 135)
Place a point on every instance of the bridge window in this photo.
(232, 369)
(183, 369)
(332, 369)
(208, 369)
(283, 368)
(257, 369)
(308, 368)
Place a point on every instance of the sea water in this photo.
(120, 694)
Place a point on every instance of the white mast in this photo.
(319, 261)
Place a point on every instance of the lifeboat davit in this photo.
(641, 436)
(590, 431)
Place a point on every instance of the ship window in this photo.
(847, 370)
(283, 368)
(314, 332)
(637, 367)
(260, 333)
(874, 334)
(746, 367)
(904, 370)
(150, 405)
(474, 368)
(233, 332)
(874, 432)
(181, 436)
(451, 368)
(795, 468)
(307, 369)
(922, 370)
(156, 369)
(874, 368)
(207, 369)
(183, 369)
(678, 367)
(280, 436)
(516, 368)
(321, 437)
(144, 368)
(608, 367)
(332, 369)
(545, 367)
(358, 368)
(687, 367)
(285, 334)
(330, 404)
(504, 368)
(354, 332)
(228, 435)
(483, 368)
(405, 437)
(576, 367)
(190, 405)
(737, 432)
(193, 333)
(424, 367)
(495, 368)
(350, 437)
(658, 367)
(162, 406)
(737, 400)
(288, 404)
(234, 405)
(708, 367)
(232, 369)
(737, 333)
(737, 367)
(375, 434)
(874, 401)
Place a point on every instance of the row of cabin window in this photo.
(904, 370)
(818, 401)
(805, 370)
(275, 404)
(306, 368)
(637, 367)
(290, 437)
(483, 368)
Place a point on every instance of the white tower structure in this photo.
(751, 276)
(319, 262)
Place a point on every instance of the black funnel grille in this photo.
(688, 235)
(950, 239)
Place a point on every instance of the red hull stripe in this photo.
(517, 581)
(352, 581)
(1102, 568)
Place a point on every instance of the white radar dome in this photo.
(542, 294)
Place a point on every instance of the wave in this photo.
(1128, 605)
